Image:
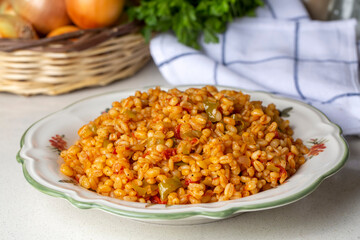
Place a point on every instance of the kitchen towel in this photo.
(281, 51)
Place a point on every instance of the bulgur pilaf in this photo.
(174, 147)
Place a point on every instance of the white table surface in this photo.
(332, 211)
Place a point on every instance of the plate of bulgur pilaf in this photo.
(189, 154)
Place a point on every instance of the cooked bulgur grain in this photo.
(197, 146)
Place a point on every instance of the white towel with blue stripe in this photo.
(280, 51)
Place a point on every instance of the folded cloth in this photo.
(280, 51)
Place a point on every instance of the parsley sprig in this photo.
(189, 18)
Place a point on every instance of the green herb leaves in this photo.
(189, 18)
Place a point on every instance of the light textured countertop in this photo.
(332, 211)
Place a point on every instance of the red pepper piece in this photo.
(169, 152)
(188, 110)
(188, 181)
(145, 154)
(77, 178)
(276, 134)
(289, 154)
(177, 132)
(282, 170)
(156, 199)
(194, 141)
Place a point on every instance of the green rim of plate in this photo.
(186, 213)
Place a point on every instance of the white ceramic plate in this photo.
(40, 162)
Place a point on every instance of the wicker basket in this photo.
(71, 61)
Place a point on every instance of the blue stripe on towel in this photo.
(262, 60)
(271, 9)
(341, 96)
(176, 57)
(215, 72)
(259, 61)
(223, 48)
(328, 61)
(296, 63)
(291, 58)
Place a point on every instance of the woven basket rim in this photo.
(28, 72)
(69, 42)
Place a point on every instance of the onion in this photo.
(44, 15)
(15, 27)
(62, 30)
(94, 13)
(6, 7)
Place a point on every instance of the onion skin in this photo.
(62, 30)
(16, 28)
(88, 14)
(44, 15)
(6, 8)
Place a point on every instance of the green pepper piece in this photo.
(130, 114)
(210, 109)
(236, 118)
(153, 187)
(168, 186)
(105, 143)
(179, 164)
(239, 123)
(93, 128)
(186, 149)
(140, 190)
(193, 133)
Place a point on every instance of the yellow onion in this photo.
(6, 7)
(94, 13)
(15, 27)
(44, 15)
